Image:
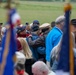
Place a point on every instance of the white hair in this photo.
(20, 57)
(40, 66)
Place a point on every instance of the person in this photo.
(28, 29)
(73, 31)
(24, 48)
(0, 31)
(34, 35)
(40, 68)
(39, 43)
(27, 26)
(53, 24)
(55, 55)
(36, 22)
(21, 31)
(54, 36)
(3, 30)
(19, 65)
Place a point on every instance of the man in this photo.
(53, 24)
(40, 68)
(39, 42)
(73, 30)
(34, 35)
(54, 36)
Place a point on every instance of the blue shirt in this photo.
(52, 40)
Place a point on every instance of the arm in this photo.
(37, 42)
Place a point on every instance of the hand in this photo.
(30, 35)
(48, 64)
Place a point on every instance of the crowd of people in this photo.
(38, 46)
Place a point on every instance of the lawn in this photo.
(42, 11)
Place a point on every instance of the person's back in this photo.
(54, 37)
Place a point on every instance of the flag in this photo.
(64, 67)
(16, 20)
(9, 46)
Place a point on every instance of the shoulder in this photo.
(55, 31)
(51, 73)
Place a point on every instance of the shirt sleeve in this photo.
(38, 42)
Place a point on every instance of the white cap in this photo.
(21, 25)
(60, 19)
(45, 25)
(3, 29)
(20, 57)
(31, 24)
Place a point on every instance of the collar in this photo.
(21, 72)
(58, 30)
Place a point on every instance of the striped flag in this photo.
(8, 45)
(15, 18)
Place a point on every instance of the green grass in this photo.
(42, 11)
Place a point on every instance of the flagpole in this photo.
(68, 7)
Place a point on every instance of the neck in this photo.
(59, 26)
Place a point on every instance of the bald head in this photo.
(40, 68)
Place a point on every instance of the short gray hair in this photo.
(60, 19)
(41, 66)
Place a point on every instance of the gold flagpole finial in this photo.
(8, 5)
(67, 5)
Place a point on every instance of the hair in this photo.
(1, 23)
(25, 47)
(40, 66)
(26, 23)
(73, 22)
(52, 24)
(59, 20)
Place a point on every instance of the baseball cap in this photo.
(35, 28)
(20, 29)
(44, 25)
(36, 22)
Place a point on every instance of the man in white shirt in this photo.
(40, 68)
